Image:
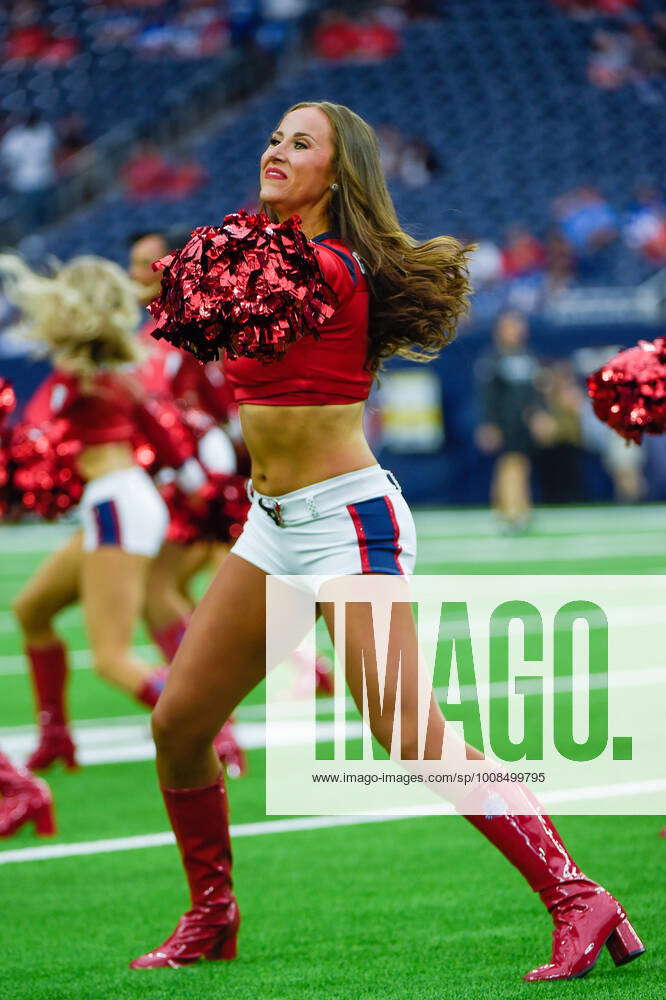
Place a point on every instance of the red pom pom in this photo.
(249, 287)
(629, 392)
(227, 507)
(217, 513)
(45, 477)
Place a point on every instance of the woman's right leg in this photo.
(168, 608)
(53, 587)
(586, 917)
(220, 660)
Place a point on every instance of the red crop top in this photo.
(330, 369)
(112, 410)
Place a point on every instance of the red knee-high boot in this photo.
(24, 799)
(585, 916)
(208, 930)
(49, 672)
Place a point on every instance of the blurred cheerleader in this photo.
(197, 532)
(86, 315)
(23, 798)
(204, 402)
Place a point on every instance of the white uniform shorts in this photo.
(347, 525)
(123, 508)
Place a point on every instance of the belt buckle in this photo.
(274, 512)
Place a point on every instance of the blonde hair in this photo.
(418, 291)
(85, 313)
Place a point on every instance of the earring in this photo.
(334, 187)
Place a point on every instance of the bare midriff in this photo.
(99, 459)
(296, 446)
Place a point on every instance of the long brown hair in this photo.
(419, 291)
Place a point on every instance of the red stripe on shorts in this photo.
(360, 534)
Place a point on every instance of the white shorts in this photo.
(351, 524)
(124, 509)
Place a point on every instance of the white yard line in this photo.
(129, 740)
(118, 844)
(577, 520)
(626, 616)
(526, 549)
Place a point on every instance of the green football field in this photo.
(392, 910)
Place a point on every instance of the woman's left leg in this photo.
(113, 586)
(220, 660)
(168, 607)
(585, 916)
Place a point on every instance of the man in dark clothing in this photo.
(508, 398)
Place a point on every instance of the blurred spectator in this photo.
(594, 8)
(644, 228)
(556, 429)
(522, 254)
(418, 163)
(197, 30)
(589, 225)
(391, 143)
(634, 54)
(149, 174)
(508, 397)
(335, 36)
(29, 38)
(375, 40)
(368, 39)
(409, 160)
(648, 62)
(485, 266)
(27, 155)
(609, 65)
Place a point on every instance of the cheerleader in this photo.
(23, 798)
(85, 315)
(322, 505)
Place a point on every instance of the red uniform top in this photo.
(111, 410)
(173, 374)
(316, 372)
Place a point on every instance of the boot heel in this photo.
(624, 944)
(70, 762)
(224, 951)
(45, 821)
